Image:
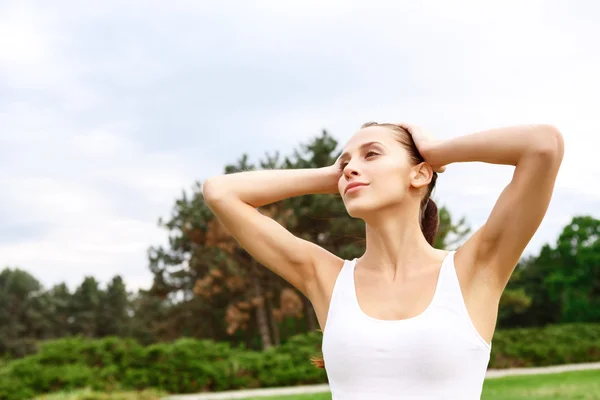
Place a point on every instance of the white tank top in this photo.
(436, 355)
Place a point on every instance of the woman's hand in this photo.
(331, 176)
(424, 140)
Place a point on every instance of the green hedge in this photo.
(552, 345)
(189, 365)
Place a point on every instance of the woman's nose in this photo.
(351, 170)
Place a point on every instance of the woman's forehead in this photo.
(370, 134)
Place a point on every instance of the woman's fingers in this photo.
(420, 136)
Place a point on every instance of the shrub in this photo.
(551, 345)
(190, 365)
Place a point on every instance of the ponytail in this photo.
(318, 362)
(430, 221)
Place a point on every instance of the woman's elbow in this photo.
(550, 143)
(213, 189)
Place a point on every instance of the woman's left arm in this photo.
(536, 152)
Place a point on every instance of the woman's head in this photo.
(382, 169)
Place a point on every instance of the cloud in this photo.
(109, 110)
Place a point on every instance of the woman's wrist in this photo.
(433, 153)
(329, 176)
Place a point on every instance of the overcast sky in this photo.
(109, 109)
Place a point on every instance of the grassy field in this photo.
(579, 385)
(91, 395)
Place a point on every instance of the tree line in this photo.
(206, 286)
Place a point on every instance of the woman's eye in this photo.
(371, 153)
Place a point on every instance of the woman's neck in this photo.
(396, 245)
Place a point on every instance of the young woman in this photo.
(405, 320)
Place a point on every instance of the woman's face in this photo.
(377, 171)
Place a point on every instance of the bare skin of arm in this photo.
(235, 198)
(488, 258)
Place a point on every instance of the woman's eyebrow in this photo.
(362, 146)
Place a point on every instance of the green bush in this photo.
(190, 365)
(560, 344)
(97, 353)
(17, 348)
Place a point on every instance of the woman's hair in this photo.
(428, 212)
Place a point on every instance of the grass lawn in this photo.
(579, 385)
(87, 394)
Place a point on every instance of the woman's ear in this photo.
(421, 175)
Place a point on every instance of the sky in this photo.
(110, 110)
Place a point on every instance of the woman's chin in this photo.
(358, 209)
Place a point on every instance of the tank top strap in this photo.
(345, 281)
(343, 290)
(440, 284)
(445, 290)
(449, 295)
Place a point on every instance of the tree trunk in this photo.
(274, 326)
(262, 320)
(311, 318)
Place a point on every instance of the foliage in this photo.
(554, 344)
(189, 365)
(20, 311)
(561, 284)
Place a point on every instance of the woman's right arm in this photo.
(234, 199)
